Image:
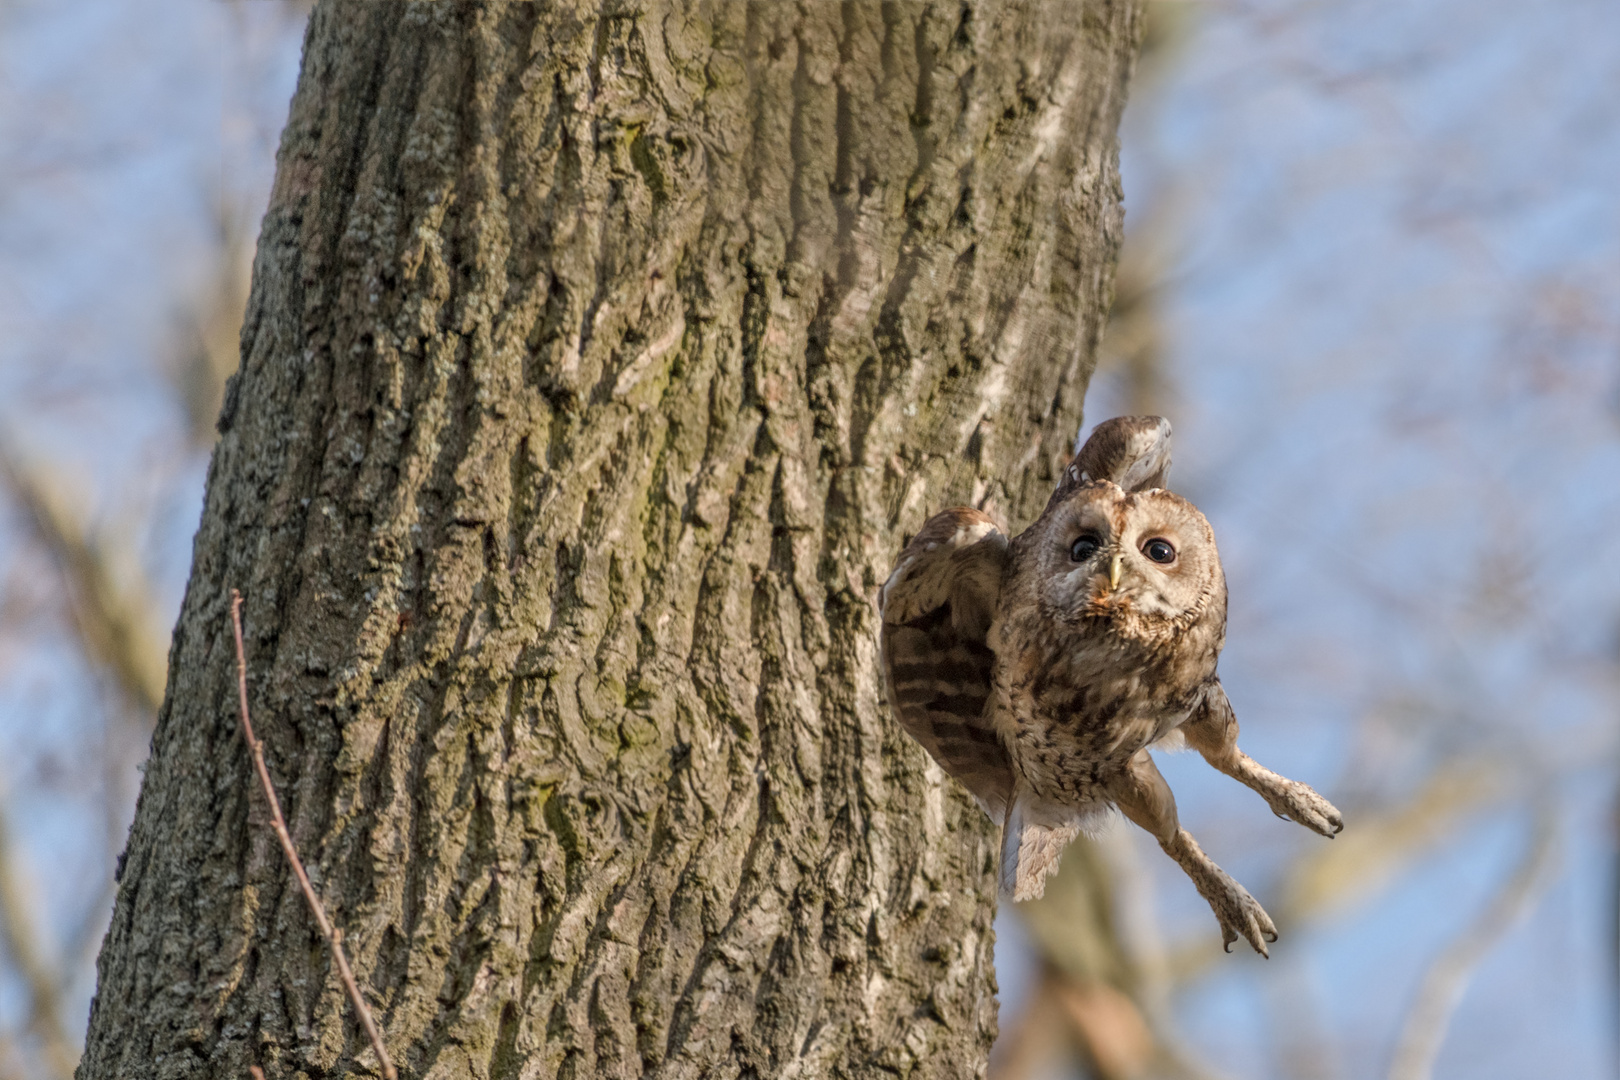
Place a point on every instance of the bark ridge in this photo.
(597, 363)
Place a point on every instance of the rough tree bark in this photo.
(597, 364)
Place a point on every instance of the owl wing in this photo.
(936, 609)
(1132, 451)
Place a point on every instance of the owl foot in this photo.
(1213, 731)
(1239, 914)
(1300, 803)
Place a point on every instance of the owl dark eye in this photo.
(1085, 547)
(1159, 550)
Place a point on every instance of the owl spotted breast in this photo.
(1038, 671)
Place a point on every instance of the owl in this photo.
(1038, 671)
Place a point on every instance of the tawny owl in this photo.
(1039, 671)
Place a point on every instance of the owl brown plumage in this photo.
(1038, 671)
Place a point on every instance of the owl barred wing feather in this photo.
(936, 609)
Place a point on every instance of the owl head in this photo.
(1142, 564)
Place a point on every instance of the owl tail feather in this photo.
(1032, 840)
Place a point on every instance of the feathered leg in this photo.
(1212, 730)
(1140, 791)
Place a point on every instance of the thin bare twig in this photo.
(333, 935)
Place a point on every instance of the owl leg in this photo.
(1212, 730)
(1140, 791)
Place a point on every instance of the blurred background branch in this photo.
(122, 285)
(210, 349)
(1395, 397)
(1370, 258)
(114, 616)
(1444, 982)
(42, 974)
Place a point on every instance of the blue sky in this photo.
(120, 125)
(1392, 331)
(1392, 262)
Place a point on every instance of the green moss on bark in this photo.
(598, 361)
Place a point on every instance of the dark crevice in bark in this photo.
(922, 116)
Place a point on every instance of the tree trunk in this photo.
(596, 366)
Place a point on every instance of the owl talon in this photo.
(1299, 803)
(1257, 928)
(1239, 914)
(1242, 916)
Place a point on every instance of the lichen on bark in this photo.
(598, 361)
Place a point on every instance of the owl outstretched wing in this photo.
(936, 609)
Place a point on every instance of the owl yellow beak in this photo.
(1113, 571)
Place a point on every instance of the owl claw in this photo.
(1239, 914)
(1299, 803)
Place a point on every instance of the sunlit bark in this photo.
(597, 363)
